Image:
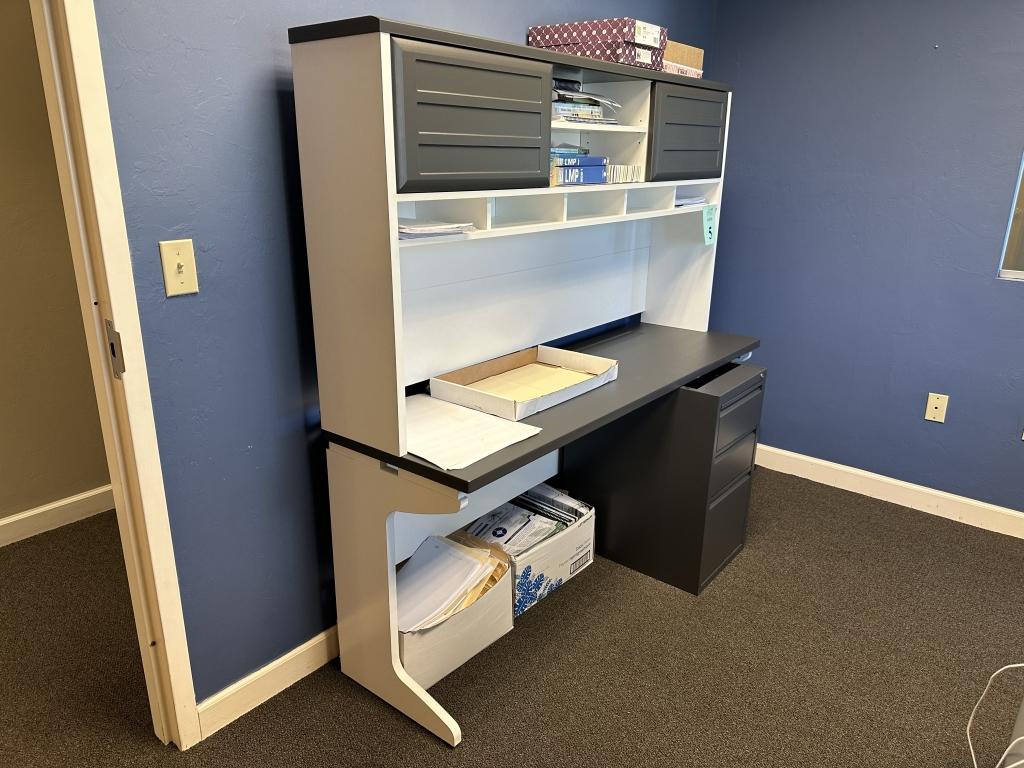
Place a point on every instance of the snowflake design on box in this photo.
(550, 587)
(530, 589)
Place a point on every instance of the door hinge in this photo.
(114, 349)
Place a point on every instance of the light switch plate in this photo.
(936, 408)
(179, 261)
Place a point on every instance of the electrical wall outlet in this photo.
(179, 263)
(936, 408)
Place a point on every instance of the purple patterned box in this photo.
(617, 30)
(623, 53)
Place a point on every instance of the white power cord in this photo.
(970, 721)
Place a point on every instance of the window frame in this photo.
(1014, 273)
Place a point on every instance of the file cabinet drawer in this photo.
(469, 120)
(725, 528)
(738, 419)
(731, 385)
(734, 462)
(688, 133)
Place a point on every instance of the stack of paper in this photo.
(439, 580)
(453, 437)
(513, 528)
(625, 174)
(410, 229)
(545, 500)
(565, 94)
(694, 200)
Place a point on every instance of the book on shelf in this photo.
(597, 173)
(585, 174)
(571, 109)
(625, 174)
(569, 160)
(579, 95)
(585, 120)
(569, 150)
(583, 103)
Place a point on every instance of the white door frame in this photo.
(76, 100)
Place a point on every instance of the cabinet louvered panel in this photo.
(469, 120)
(688, 133)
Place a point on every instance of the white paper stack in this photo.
(554, 503)
(694, 200)
(513, 529)
(453, 437)
(440, 579)
(410, 229)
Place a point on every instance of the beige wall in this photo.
(50, 441)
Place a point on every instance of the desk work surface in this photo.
(653, 360)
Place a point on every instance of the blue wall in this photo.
(873, 151)
(201, 103)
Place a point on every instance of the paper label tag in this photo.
(643, 56)
(647, 34)
(710, 224)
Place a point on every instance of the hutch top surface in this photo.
(361, 25)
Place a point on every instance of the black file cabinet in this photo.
(671, 481)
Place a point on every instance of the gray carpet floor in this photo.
(849, 632)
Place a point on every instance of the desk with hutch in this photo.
(397, 120)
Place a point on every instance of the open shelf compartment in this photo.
(459, 210)
(650, 199)
(606, 202)
(624, 143)
(521, 211)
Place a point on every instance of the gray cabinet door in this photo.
(688, 133)
(468, 120)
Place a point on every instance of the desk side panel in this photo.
(343, 106)
(682, 268)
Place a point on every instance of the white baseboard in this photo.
(980, 514)
(55, 514)
(252, 690)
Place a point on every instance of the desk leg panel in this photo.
(364, 497)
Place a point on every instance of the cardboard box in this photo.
(616, 30)
(682, 69)
(545, 567)
(431, 654)
(622, 53)
(521, 384)
(687, 55)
